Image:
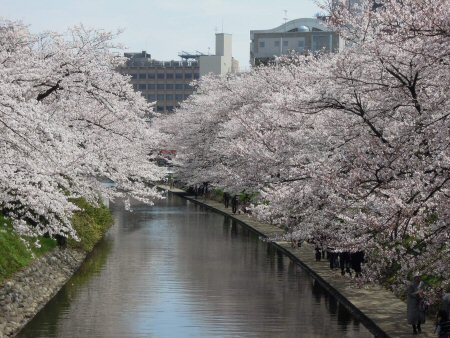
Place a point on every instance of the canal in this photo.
(177, 269)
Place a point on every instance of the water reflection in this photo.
(59, 306)
(178, 270)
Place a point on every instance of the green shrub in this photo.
(248, 197)
(90, 223)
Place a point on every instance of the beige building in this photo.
(300, 35)
(168, 83)
(165, 82)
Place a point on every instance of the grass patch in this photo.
(17, 252)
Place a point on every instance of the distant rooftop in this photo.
(143, 59)
(297, 25)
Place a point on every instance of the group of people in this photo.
(417, 307)
(234, 202)
(199, 189)
(345, 260)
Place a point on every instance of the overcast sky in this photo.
(162, 27)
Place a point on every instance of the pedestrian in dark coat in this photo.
(345, 262)
(415, 316)
(332, 257)
(357, 258)
(234, 204)
(318, 253)
(226, 199)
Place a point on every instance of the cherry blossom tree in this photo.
(67, 118)
(350, 148)
(393, 84)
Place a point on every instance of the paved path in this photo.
(377, 308)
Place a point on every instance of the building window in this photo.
(161, 76)
(196, 76)
(159, 108)
(285, 43)
(169, 97)
(179, 86)
(277, 43)
(179, 97)
(135, 87)
(151, 97)
(187, 86)
(262, 44)
(160, 86)
(188, 75)
(169, 86)
(169, 76)
(142, 76)
(151, 86)
(160, 97)
(178, 75)
(142, 86)
(301, 44)
(169, 108)
(319, 42)
(151, 75)
(134, 76)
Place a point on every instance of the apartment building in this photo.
(165, 82)
(168, 83)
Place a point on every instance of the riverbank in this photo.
(28, 289)
(377, 308)
(22, 296)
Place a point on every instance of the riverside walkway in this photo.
(377, 308)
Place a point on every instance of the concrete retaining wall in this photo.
(22, 296)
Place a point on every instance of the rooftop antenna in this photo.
(281, 39)
(285, 19)
(222, 25)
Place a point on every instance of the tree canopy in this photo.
(351, 148)
(67, 118)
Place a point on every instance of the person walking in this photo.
(226, 199)
(234, 204)
(345, 262)
(415, 316)
(318, 254)
(357, 258)
(332, 257)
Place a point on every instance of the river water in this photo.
(177, 269)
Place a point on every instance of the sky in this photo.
(163, 28)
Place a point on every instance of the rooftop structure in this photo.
(300, 35)
(222, 62)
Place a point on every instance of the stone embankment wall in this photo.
(22, 296)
